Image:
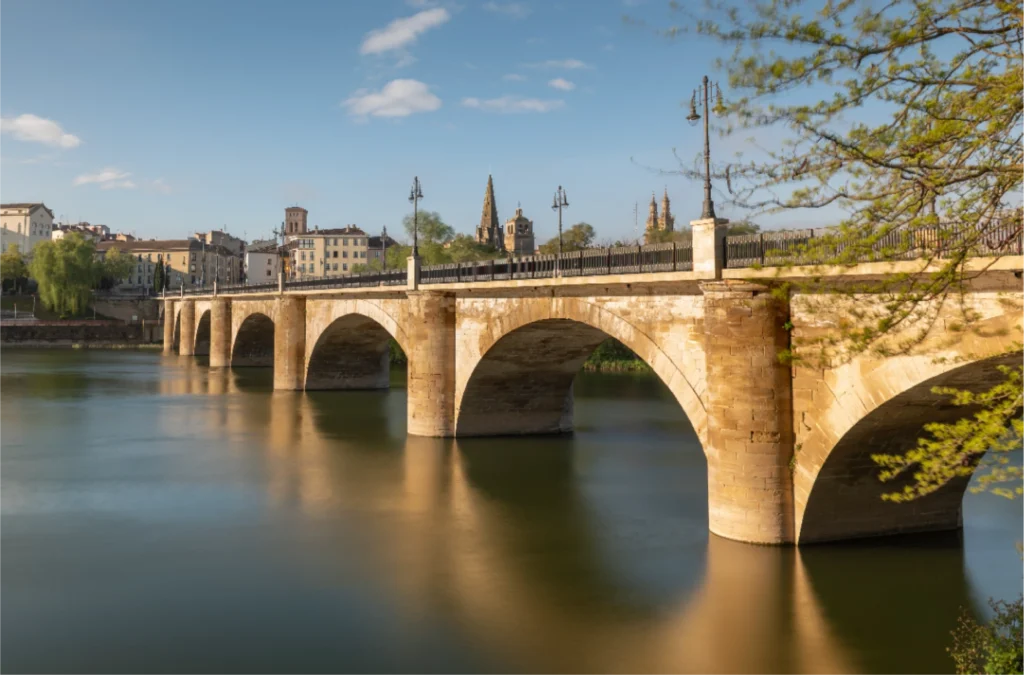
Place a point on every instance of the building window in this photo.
(344, 254)
(362, 254)
(344, 267)
(335, 254)
(268, 273)
(335, 267)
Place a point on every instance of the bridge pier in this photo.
(168, 326)
(431, 382)
(749, 407)
(220, 333)
(290, 343)
(187, 330)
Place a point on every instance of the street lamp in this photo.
(560, 202)
(384, 247)
(702, 97)
(415, 195)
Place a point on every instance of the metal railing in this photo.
(798, 247)
(763, 249)
(669, 257)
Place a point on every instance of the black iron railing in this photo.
(670, 257)
(824, 246)
(763, 249)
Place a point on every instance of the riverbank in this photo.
(81, 334)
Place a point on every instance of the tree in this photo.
(464, 248)
(913, 129)
(158, 278)
(434, 233)
(66, 272)
(12, 266)
(576, 238)
(115, 265)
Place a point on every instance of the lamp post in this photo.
(415, 195)
(384, 247)
(560, 202)
(703, 97)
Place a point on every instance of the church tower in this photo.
(668, 221)
(652, 219)
(489, 231)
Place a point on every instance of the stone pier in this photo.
(749, 408)
(290, 343)
(431, 382)
(187, 338)
(220, 333)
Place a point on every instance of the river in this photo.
(158, 516)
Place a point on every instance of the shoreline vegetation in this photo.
(611, 356)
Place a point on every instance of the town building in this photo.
(188, 263)
(376, 248)
(24, 224)
(95, 233)
(666, 222)
(221, 238)
(295, 218)
(263, 261)
(326, 253)
(519, 234)
(489, 232)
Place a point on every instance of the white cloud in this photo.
(403, 32)
(516, 10)
(513, 104)
(565, 64)
(561, 83)
(38, 130)
(513, 77)
(161, 186)
(108, 179)
(397, 98)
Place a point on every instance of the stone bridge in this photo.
(787, 447)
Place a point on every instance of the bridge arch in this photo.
(203, 332)
(522, 380)
(348, 345)
(837, 491)
(253, 342)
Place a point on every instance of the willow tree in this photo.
(12, 266)
(905, 118)
(66, 272)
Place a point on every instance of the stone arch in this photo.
(351, 349)
(253, 342)
(202, 343)
(838, 494)
(539, 346)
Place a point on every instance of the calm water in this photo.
(158, 516)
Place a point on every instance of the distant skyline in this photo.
(164, 118)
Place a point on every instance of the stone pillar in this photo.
(220, 333)
(431, 381)
(750, 418)
(413, 265)
(709, 246)
(290, 343)
(187, 329)
(168, 326)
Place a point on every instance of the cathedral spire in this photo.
(489, 232)
(668, 221)
(652, 216)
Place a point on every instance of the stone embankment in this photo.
(80, 334)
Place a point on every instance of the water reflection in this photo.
(584, 553)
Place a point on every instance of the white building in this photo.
(25, 225)
(262, 262)
(90, 232)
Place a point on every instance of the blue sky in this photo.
(166, 118)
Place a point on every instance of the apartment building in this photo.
(326, 253)
(187, 263)
(24, 224)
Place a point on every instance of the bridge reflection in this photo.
(506, 542)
